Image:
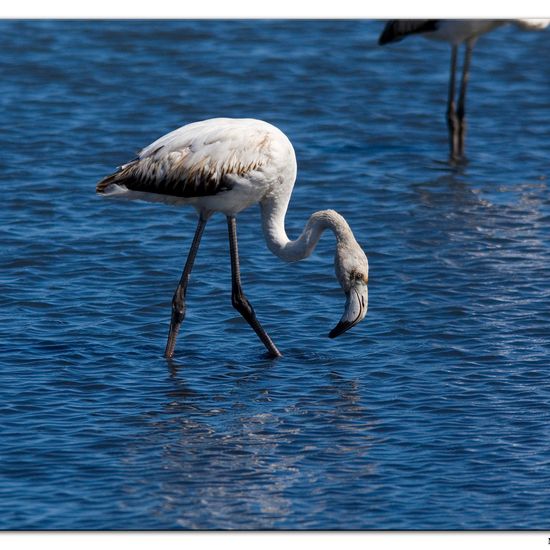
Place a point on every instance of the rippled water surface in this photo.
(433, 413)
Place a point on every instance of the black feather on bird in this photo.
(397, 29)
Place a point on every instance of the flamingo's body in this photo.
(226, 165)
(456, 32)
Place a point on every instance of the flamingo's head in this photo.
(352, 271)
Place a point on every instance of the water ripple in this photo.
(432, 414)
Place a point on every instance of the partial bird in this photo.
(226, 165)
(456, 32)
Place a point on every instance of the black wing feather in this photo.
(397, 29)
(137, 176)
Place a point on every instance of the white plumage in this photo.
(226, 165)
(194, 163)
(457, 31)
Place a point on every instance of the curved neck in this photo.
(273, 223)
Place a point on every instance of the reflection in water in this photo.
(245, 456)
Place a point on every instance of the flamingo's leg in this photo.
(461, 113)
(452, 119)
(178, 301)
(238, 299)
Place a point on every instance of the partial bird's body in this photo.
(209, 164)
(456, 32)
(226, 165)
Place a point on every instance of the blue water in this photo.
(434, 413)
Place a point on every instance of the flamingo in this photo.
(456, 32)
(226, 165)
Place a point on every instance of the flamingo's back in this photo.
(197, 160)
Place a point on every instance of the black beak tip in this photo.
(339, 329)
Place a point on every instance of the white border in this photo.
(159, 9)
(263, 9)
(271, 540)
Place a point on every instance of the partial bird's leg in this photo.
(452, 120)
(462, 98)
(238, 299)
(178, 301)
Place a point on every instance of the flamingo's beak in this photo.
(357, 300)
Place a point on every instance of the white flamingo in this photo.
(226, 165)
(456, 32)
